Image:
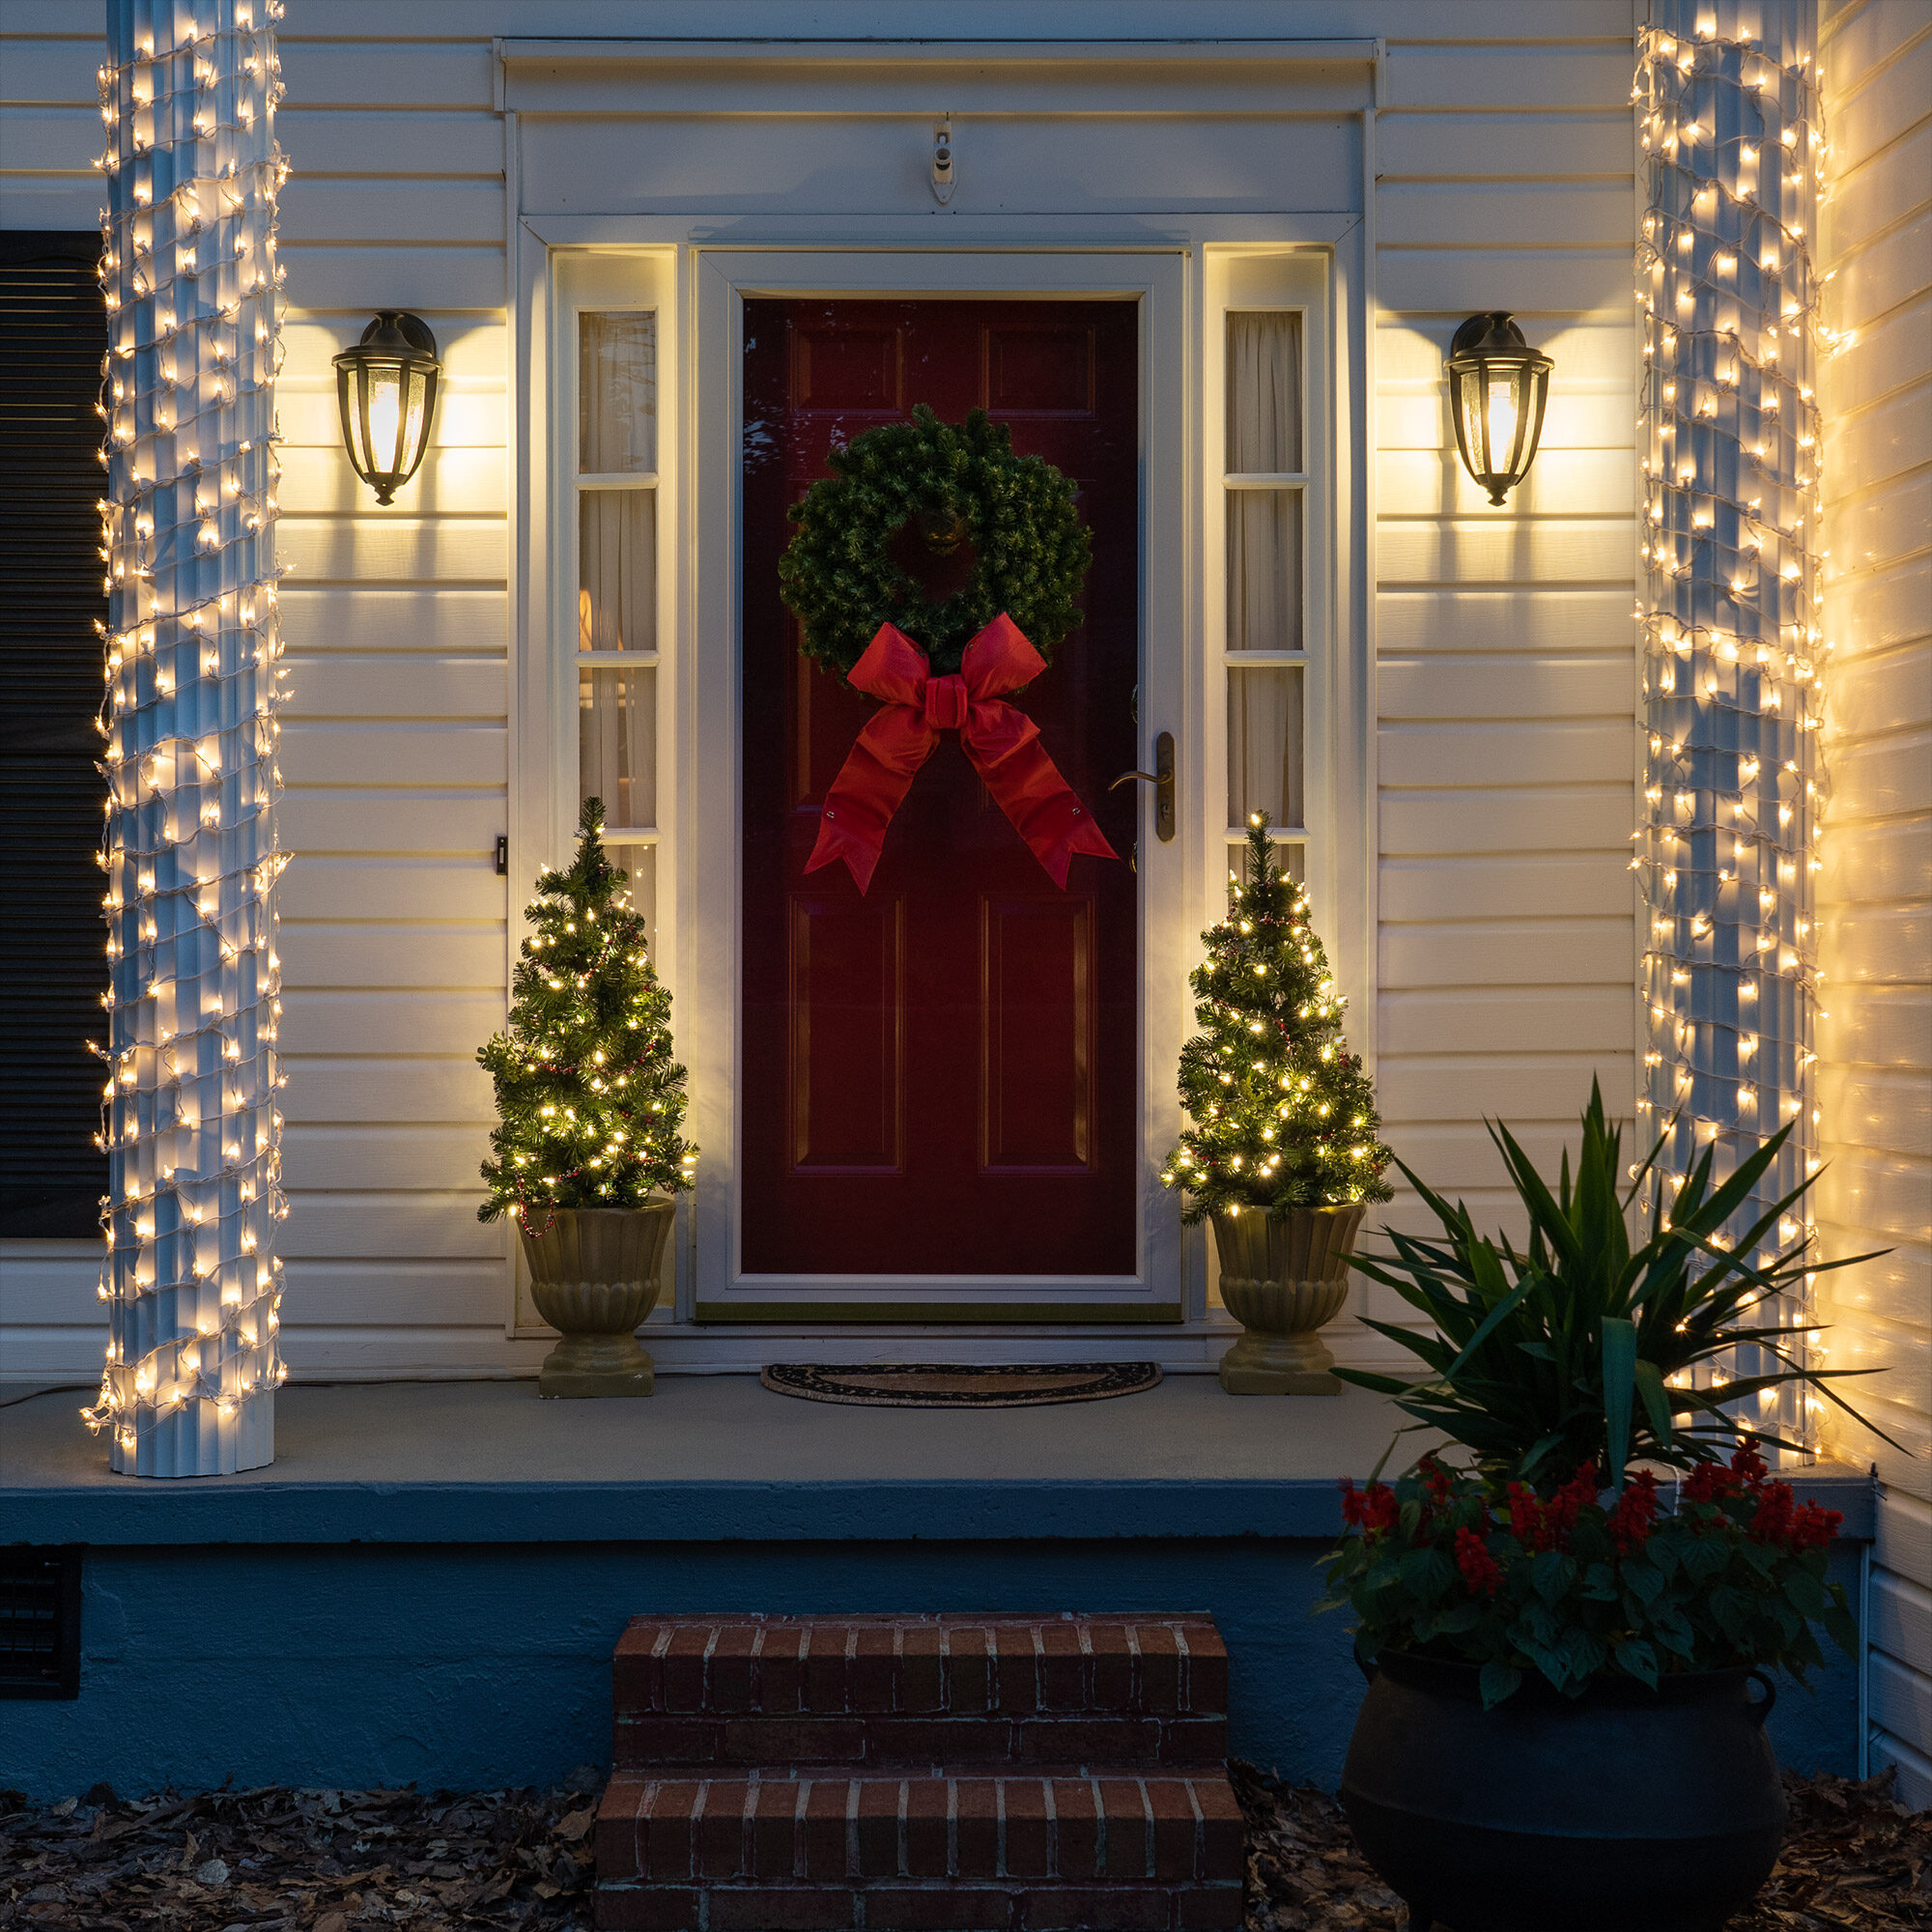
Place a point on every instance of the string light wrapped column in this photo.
(190, 1122)
(1729, 120)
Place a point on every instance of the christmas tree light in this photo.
(588, 1098)
(190, 1118)
(1283, 1114)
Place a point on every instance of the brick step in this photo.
(920, 1690)
(970, 1852)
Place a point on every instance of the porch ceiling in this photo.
(717, 1458)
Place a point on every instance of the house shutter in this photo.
(53, 333)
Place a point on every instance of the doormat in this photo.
(960, 1384)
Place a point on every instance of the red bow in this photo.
(1002, 744)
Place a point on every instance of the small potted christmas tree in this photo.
(1284, 1153)
(588, 1153)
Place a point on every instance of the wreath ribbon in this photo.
(1002, 744)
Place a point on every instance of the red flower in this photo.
(1373, 1510)
(1436, 1479)
(1709, 1483)
(1480, 1570)
(1636, 1512)
(1814, 1527)
(1771, 1520)
(1749, 1465)
(1547, 1526)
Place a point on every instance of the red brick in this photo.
(1062, 1667)
(1206, 1668)
(870, 1673)
(780, 1909)
(926, 1832)
(879, 1827)
(780, 1680)
(922, 1679)
(684, 1667)
(1122, 1908)
(651, 1740)
(825, 1668)
(825, 1827)
(614, 1835)
(1161, 1668)
(933, 1741)
(976, 1810)
(1193, 1740)
(1094, 1741)
(775, 1828)
(950, 1908)
(966, 1669)
(1210, 1908)
(1025, 1801)
(1174, 1831)
(1112, 1668)
(648, 1908)
(777, 1743)
(1129, 1834)
(635, 1672)
(1223, 1855)
(1075, 1837)
(1016, 1671)
(729, 1682)
(669, 1836)
(721, 1831)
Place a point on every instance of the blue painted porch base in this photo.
(348, 1618)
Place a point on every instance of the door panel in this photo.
(939, 1078)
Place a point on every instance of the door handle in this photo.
(1161, 778)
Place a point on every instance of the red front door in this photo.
(939, 1076)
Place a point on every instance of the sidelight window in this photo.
(1264, 646)
(616, 523)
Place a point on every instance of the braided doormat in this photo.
(960, 1384)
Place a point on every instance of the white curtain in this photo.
(1264, 574)
(617, 570)
(616, 745)
(618, 393)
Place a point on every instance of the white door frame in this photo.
(710, 885)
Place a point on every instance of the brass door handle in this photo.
(1161, 778)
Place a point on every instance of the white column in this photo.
(1728, 433)
(190, 1122)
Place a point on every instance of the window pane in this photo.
(641, 862)
(617, 570)
(618, 745)
(1264, 570)
(1265, 745)
(1264, 393)
(618, 392)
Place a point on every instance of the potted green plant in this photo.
(1559, 1726)
(1284, 1153)
(587, 1155)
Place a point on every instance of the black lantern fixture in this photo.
(385, 388)
(1497, 387)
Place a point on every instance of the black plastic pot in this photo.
(1623, 1810)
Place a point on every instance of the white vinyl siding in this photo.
(1875, 896)
(1504, 639)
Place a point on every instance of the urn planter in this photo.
(594, 1279)
(1281, 1281)
(1622, 1808)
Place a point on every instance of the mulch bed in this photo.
(286, 1860)
(1854, 1861)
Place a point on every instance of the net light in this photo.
(189, 738)
(385, 392)
(1497, 387)
(1727, 306)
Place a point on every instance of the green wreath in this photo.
(962, 483)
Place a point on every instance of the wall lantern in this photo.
(386, 387)
(1497, 387)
